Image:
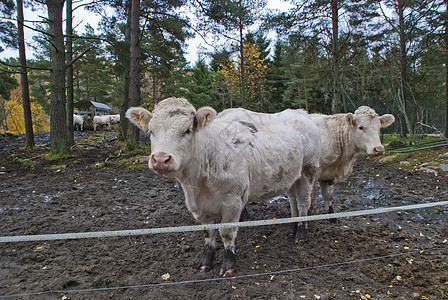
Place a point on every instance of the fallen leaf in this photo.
(166, 276)
(39, 247)
(399, 278)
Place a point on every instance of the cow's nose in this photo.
(161, 161)
(378, 150)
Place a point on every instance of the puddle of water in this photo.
(357, 191)
(30, 199)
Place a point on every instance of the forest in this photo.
(327, 56)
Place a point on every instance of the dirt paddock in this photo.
(398, 255)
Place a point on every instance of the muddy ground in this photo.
(386, 256)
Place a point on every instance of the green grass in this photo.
(58, 167)
(395, 141)
(97, 137)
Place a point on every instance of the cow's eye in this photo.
(361, 128)
(188, 131)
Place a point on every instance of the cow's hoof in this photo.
(205, 268)
(228, 273)
(301, 233)
(293, 229)
(207, 258)
(227, 263)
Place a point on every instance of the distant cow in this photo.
(344, 137)
(223, 164)
(114, 119)
(102, 121)
(78, 122)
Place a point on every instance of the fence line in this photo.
(116, 233)
(223, 278)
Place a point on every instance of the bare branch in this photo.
(79, 56)
(388, 20)
(18, 66)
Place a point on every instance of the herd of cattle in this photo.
(104, 120)
(225, 160)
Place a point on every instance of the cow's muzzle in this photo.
(161, 161)
(378, 150)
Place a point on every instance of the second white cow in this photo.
(344, 137)
(221, 164)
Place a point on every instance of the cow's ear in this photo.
(140, 117)
(386, 120)
(204, 115)
(350, 119)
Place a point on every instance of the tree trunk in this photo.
(337, 106)
(446, 69)
(124, 123)
(242, 69)
(403, 65)
(29, 141)
(133, 132)
(69, 72)
(58, 124)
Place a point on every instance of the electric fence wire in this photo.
(150, 285)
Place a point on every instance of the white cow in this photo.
(102, 121)
(114, 119)
(221, 164)
(344, 137)
(78, 121)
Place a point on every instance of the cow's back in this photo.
(275, 148)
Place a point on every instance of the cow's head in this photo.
(365, 127)
(172, 126)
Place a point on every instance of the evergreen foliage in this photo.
(308, 65)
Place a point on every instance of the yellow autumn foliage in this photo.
(255, 74)
(13, 111)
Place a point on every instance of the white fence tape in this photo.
(116, 233)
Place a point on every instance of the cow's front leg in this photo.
(228, 236)
(208, 256)
(231, 213)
